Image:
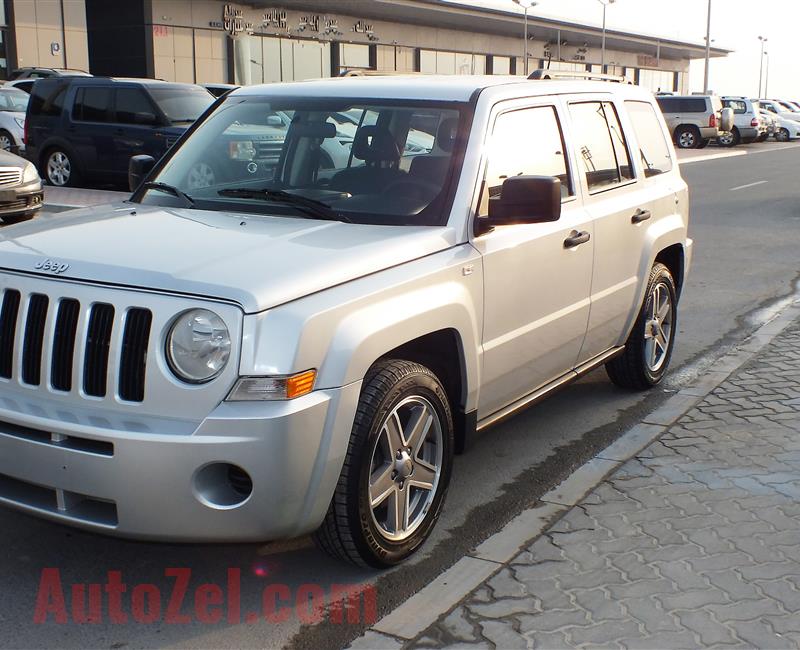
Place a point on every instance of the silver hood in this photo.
(256, 261)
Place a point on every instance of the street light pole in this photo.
(708, 49)
(761, 64)
(605, 4)
(766, 79)
(526, 4)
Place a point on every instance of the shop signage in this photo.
(311, 23)
(233, 21)
(362, 27)
(275, 18)
(647, 61)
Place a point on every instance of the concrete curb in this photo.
(443, 594)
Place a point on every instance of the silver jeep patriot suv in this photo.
(322, 293)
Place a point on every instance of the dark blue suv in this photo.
(86, 129)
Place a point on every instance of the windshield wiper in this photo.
(170, 189)
(311, 207)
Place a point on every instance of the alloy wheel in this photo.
(405, 468)
(59, 168)
(200, 176)
(687, 140)
(658, 328)
(5, 143)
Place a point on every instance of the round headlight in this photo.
(198, 346)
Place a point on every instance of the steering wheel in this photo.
(416, 188)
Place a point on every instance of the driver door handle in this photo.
(576, 239)
(641, 215)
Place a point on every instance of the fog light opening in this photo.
(222, 486)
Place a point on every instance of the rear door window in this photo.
(601, 145)
(653, 148)
(92, 104)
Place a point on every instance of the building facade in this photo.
(212, 41)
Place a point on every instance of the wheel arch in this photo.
(442, 352)
(673, 257)
(58, 143)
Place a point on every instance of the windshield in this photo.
(13, 100)
(181, 103)
(387, 162)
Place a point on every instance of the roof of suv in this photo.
(456, 88)
(102, 80)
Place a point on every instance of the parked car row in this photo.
(697, 120)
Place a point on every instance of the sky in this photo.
(735, 25)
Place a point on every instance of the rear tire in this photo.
(762, 137)
(388, 464)
(648, 349)
(59, 168)
(6, 140)
(703, 143)
(731, 139)
(687, 137)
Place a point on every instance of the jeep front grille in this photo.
(10, 176)
(50, 329)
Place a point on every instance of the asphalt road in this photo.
(746, 227)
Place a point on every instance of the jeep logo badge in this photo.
(51, 266)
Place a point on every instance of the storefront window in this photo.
(501, 65)
(3, 56)
(353, 56)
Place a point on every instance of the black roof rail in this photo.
(542, 73)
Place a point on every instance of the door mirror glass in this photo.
(526, 199)
(147, 119)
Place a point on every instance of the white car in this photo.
(780, 108)
(13, 104)
(25, 85)
(787, 128)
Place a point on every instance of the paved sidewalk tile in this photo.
(691, 543)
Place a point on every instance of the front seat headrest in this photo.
(446, 134)
(375, 144)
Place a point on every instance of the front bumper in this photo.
(143, 483)
(24, 199)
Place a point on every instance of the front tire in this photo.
(397, 469)
(648, 349)
(11, 219)
(783, 135)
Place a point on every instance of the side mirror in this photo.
(526, 199)
(148, 119)
(726, 121)
(138, 168)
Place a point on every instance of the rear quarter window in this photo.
(653, 150)
(47, 99)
